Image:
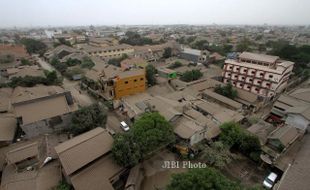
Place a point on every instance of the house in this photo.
(222, 100)
(116, 84)
(87, 162)
(109, 52)
(26, 169)
(59, 52)
(219, 114)
(7, 129)
(261, 129)
(189, 131)
(59, 106)
(102, 42)
(23, 71)
(296, 174)
(299, 117)
(135, 62)
(166, 73)
(264, 75)
(194, 55)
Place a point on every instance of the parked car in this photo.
(270, 180)
(124, 126)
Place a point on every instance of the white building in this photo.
(263, 75)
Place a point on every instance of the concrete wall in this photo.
(197, 137)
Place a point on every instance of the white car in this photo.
(124, 126)
(270, 180)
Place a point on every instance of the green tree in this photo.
(176, 64)
(199, 179)
(149, 134)
(192, 75)
(126, 151)
(34, 46)
(226, 90)
(243, 45)
(201, 44)
(88, 118)
(167, 52)
(150, 74)
(233, 135)
(63, 186)
(25, 62)
(87, 63)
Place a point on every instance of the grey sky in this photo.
(112, 12)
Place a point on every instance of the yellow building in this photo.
(129, 83)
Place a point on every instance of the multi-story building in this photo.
(113, 83)
(264, 75)
(110, 51)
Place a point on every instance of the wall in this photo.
(197, 137)
(129, 86)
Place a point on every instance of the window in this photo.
(135, 80)
(141, 79)
(251, 80)
(259, 82)
(271, 76)
(126, 82)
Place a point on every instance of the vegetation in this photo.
(63, 185)
(243, 45)
(217, 155)
(205, 178)
(88, 118)
(117, 61)
(221, 49)
(167, 52)
(134, 39)
(61, 67)
(226, 90)
(34, 46)
(150, 74)
(72, 62)
(200, 44)
(71, 72)
(7, 58)
(87, 63)
(188, 40)
(30, 81)
(25, 62)
(192, 75)
(62, 41)
(299, 55)
(234, 136)
(175, 65)
(148, 134)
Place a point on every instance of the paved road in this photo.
(114, 123)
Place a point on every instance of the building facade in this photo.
(263, 75)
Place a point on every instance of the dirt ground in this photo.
(245, 171)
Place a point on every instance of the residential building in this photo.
(22, 71)
(264, 75)
(135, 62)
(59, 52)
(87, 162)
(42, 109)
(189, 131)
(102, 42)
(222, 100)
(194, 55)
(116, 84)
(109, 52)
(166, 73)
(7, 129)
(26, 169)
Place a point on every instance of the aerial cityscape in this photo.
(154, 95)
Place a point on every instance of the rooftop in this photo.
(83, 149)
(259, 57)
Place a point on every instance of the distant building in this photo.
(135, 62)
(263, 75)
(194, 55)
(109, 52)
(166, 73)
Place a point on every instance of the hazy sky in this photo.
(113, 12)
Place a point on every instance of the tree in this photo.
(51, 78)
(87, 63)
(88, 118)
(61, 67)
(243, 45)
(117, 61)
(201, 44)
(227, 91)
(217, 155)
(176, 64)
(204, 178)
(25, 62)
(34, 46)
(63, 186)
(167, 52)
(233, 135)
(150, 74)
(134, 38)
(192, 75)
(149, 134)
(126, 151)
